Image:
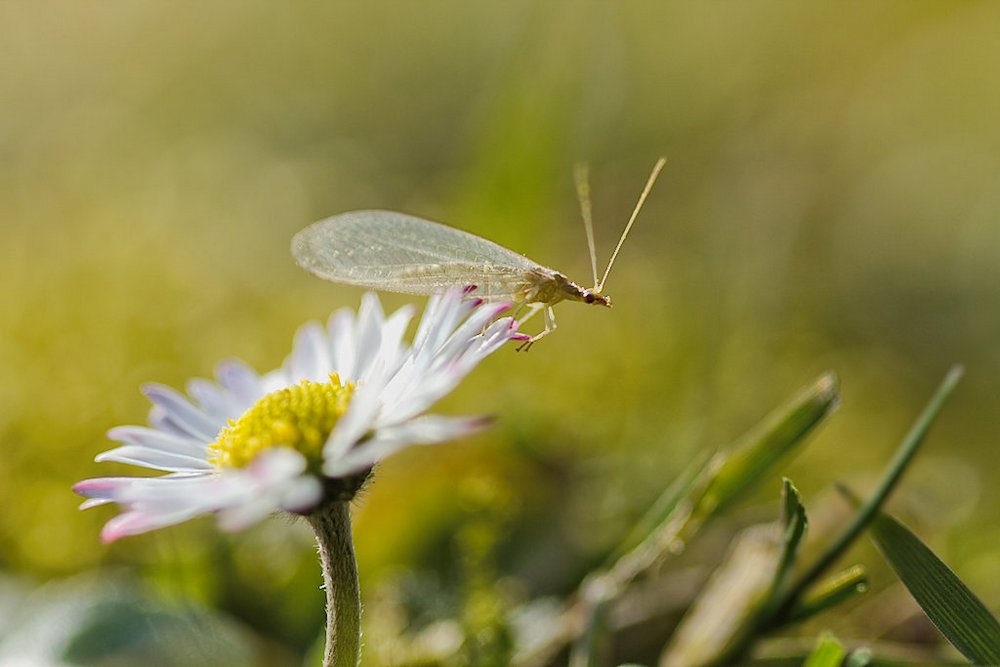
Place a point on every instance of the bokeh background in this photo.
(831, 201)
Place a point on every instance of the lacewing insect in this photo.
(395, 252)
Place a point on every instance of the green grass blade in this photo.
(837, 589)
(773, 438)
(718, 625)
(712, 482)
(793, 518)
(828, 652)
(960, 616)
(686, 487)
(866, 514)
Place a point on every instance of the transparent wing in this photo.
(395, 252)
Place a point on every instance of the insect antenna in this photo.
(583, 196)
(635, 212)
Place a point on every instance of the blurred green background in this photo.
(831, 201)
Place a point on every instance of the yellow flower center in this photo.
(300, 417)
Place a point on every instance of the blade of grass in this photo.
(865, 515)
(828, 652)
(760, 449)
(835, 590)
(716, 626)
(793, 516)
(956, 611)
(712, 483)
(591, 648)
(685, 487)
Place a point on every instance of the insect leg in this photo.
(532, 311)
(550, 326)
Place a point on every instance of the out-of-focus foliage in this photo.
(831, 201)
(828, 653)
(86, 621)
(751, 593)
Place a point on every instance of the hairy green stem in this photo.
(332, 526)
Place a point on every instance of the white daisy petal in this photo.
(157, 492)
(453, 309)
(148, 510)
(342, 344)
(248, 512)
(426, 430)
(293, 495)
(473, 326)
(360, 416)
(355, 463)
(310, 354)
(427, 322)
(419, 397)
(301, 494)
(276, 465)
(274, 380)
(135, 523)
(155, 459)
(160, 420)
(99, 490)
(498, 333)
(239, 380)
(216, 402)
(94, 502)
(392, 336)
(267, 483)
(495, 336)
(180, 411)
(152, 494)
(370, 322)
(431, 429)
(167, 442)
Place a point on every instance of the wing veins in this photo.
(401, 253)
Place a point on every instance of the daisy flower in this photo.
(306, 434)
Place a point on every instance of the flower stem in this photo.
(332, 526)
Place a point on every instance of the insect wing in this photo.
(395, 252)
